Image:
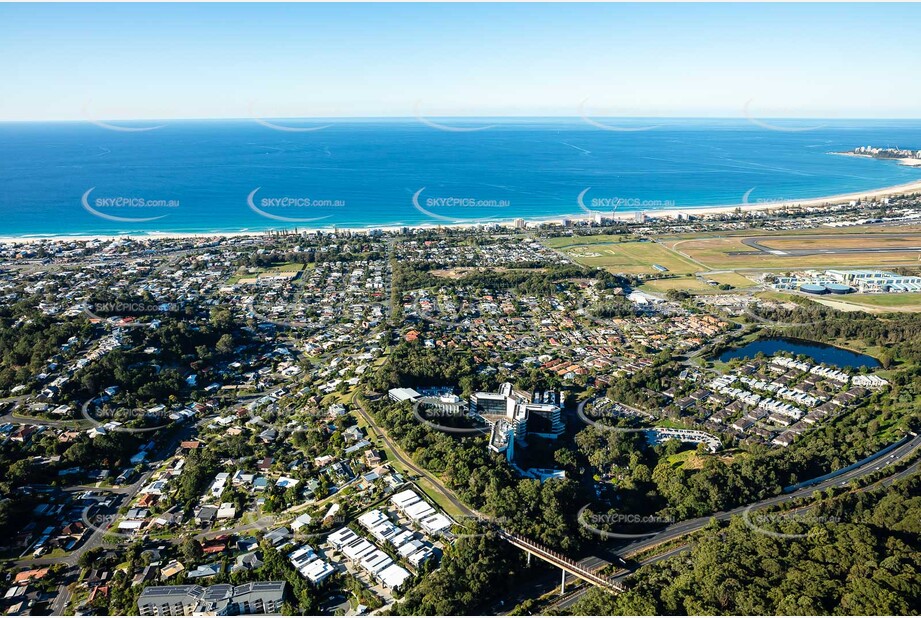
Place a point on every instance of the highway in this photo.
(691, 525)
(684, 528)
(673, 531)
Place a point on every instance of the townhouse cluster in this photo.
(603, 408)
(310, 565)
(410, 548)
(366, 555)
(263, 598)
(420, 512)
(407, 533)
(776, 399)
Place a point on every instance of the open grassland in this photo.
(871, 303)
(875, 303)
(634, 257)
(734, 279)
(780, 297)
(907, 299)
(694, 254)
(906, 242)
(687, 459)
(686, 284)
(252, 274)
(287, 267)
(717, 253)
(699, 284)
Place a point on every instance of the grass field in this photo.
(687, 284)
(880, 302)
(634, 257)
(288, 267)
(691, 254)
(715, 253)
(736, 280)
(687, 459)
(905, 242)
(251, 275)
(699, 285)
(872, 303)
(906, 299)
(780, 297)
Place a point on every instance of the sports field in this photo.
(249, 275)
(700, 285)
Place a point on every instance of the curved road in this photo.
(684, 528)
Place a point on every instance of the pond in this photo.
(820, 352)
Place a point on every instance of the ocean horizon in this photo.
(223, 176)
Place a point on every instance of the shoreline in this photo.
(766, 205)
(906, 161)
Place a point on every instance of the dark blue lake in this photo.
(820, 352)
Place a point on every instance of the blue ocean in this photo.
(244, 175)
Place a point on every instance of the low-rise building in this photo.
(265, 598)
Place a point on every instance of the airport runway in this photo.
(756, 242)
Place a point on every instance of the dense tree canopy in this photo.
(858, 554)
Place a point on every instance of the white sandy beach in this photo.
(902, 189)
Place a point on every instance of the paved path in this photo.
(408, 463)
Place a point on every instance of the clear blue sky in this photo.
(111, 61)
